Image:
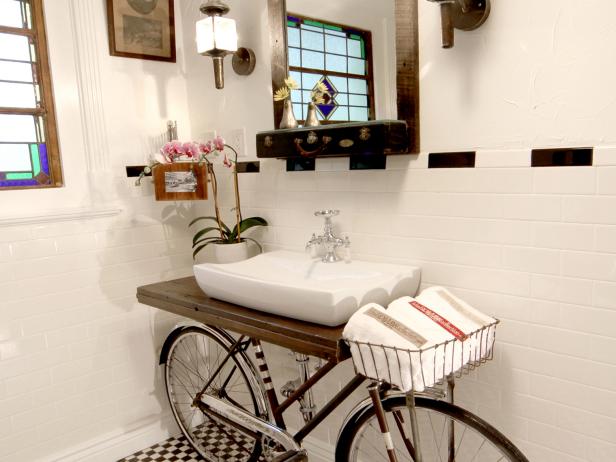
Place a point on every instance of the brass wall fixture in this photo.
(217, 38)
(462, 15)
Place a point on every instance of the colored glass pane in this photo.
(14, 47)
(358, 114)
(14, 157)
(314, 23)
(330, 27)
(17, 128)
(18, 176)
(335, 44)
(43, 158)
(354, 48)
(15, 72)
(295, 57)
(22, 95)
(312, 28)
(357, 66)
(358, 86)
(293, 37)
(313, 59)
(36, 161)
(312, 41)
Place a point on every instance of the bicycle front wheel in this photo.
(195, 354)
(472, 439)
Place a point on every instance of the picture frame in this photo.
(180, 181)
(142, 29)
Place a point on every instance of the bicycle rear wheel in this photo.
(195, 353)
(474, 439)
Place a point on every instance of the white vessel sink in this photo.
(294, 285)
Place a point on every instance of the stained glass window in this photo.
(336, 56)
(29, 156)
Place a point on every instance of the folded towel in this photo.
(464, 316)
(407, 360)
(418, 341)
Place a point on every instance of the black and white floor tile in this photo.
(227, 445)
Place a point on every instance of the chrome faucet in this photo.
(329, 242)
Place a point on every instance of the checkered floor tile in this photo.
(227, 445)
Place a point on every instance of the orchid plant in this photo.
(175, 151)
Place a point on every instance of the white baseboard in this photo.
(116, 445)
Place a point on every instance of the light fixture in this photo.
(462, 15)
(217, 38)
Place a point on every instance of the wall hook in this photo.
(462, 15)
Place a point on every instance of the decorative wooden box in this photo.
(379, 137)
(180, 181)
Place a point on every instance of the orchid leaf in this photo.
(224, 227)
(207, 239)
(246, 224)
(202, 232)
(203, 246)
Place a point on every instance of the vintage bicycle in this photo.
(223, 398)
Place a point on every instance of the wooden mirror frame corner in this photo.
(407, 61)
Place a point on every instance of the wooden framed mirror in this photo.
(406, 61)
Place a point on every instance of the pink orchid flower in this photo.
(219, 143)
(191, 150)
(226, 162)
(206, 148)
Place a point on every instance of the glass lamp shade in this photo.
(216, 36)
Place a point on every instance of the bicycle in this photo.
(228, 410)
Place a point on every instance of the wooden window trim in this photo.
(369, 77)
(47, 109)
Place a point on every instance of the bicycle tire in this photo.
(349, 447)
(194, 354)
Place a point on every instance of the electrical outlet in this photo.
(236, 138)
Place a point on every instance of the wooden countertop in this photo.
(184, 297)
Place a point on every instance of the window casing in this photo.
(340, 57)
(29, 151)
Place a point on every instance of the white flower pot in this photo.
(229, 253)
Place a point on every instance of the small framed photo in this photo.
(142, 29)
(181, 181)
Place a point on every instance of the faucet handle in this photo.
(326, 213)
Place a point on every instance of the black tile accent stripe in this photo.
(367, 162)
(249, 167)
(133, 171)
(562, 157)
(452, 159)
(300, 164)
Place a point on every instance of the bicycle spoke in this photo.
(460, 443)
(478, 450)
(438, 447)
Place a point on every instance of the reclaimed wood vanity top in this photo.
(184, 297)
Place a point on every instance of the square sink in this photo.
(295, 285)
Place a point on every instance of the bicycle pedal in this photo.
(292, 456)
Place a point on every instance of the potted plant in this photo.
(229, 242)
(318, 95)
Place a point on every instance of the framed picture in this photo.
(142, 29)
(181, 181)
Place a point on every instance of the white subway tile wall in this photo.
(78, 354)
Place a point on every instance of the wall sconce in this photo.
(462, 15)
(217, 38)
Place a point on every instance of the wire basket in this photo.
(426, 367)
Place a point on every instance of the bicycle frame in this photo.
(253, 425)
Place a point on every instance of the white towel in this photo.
(401, 362)
(425, 338)
(465, 317)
